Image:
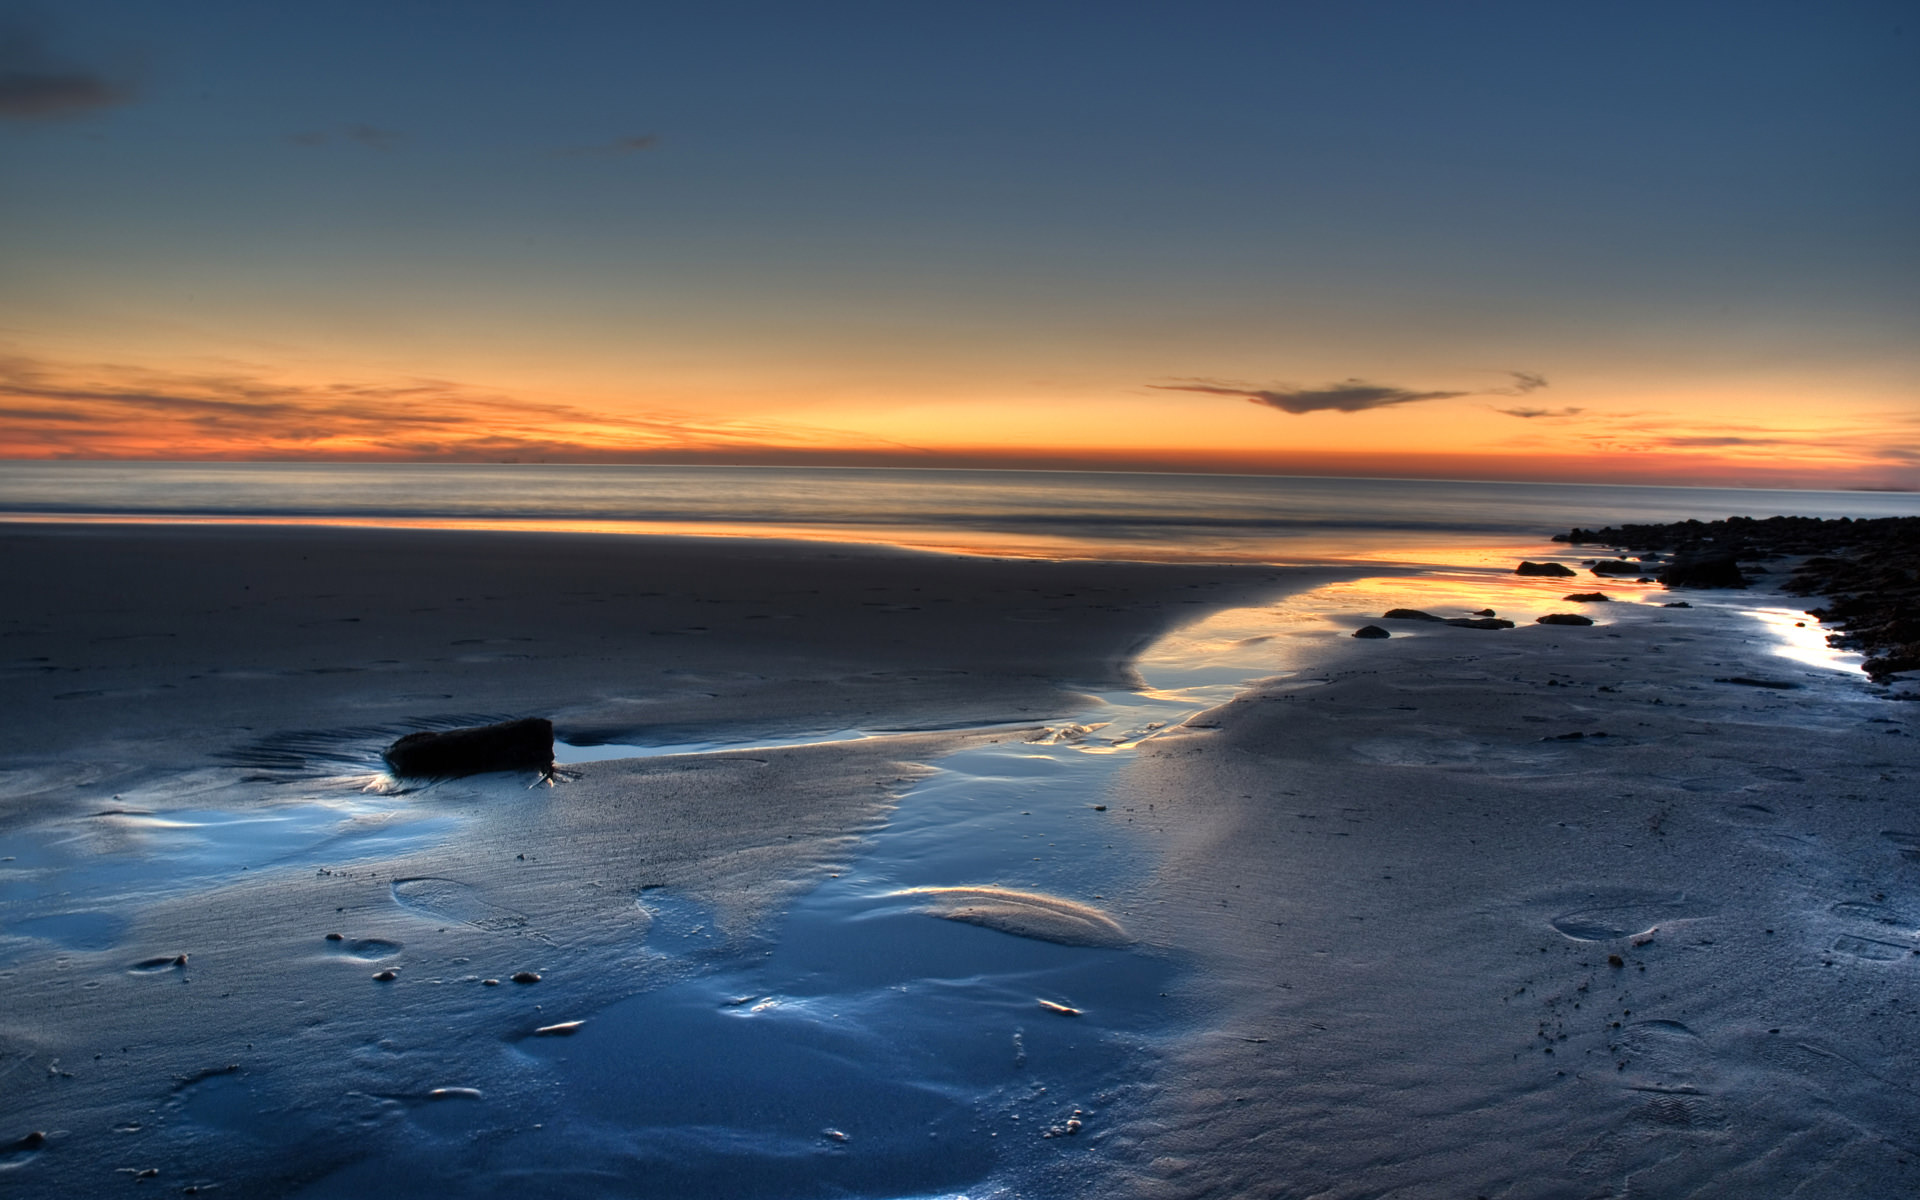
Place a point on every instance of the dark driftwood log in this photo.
(526, 744)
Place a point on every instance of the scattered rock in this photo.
(1615, 961)
(1590, 598)
(1534, 568)
(524, 977)
(1677, 604)
(1371, 631)
(336, 937)
(1617, 566)
(1870, 570)
(1407, 614)
(1711, 570)
(1480, 622)
(454, 1093)
(525, 744)
(387, 976)
(1485, 612)
(1749, 681)
(1563, 619)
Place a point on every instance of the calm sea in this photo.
(1047, 513)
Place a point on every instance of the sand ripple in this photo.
(1024, 914)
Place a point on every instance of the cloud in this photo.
(1350, 395)
(1530, 413)
(54, 411)
(36, 86)
(1523, 382)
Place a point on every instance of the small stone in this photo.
(1564, 619)
(336, 937)
(489, 983)
(385, 976)
(524, 977)
(1614, 960)
(1371, 631)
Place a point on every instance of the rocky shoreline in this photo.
(1869, 572)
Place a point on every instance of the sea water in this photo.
(1109, 515)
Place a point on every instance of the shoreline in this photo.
(1309, 965)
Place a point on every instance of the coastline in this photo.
(1327, 1010)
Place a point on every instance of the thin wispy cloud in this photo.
(1533, 413)
(37, 85)
(50, 410)
(1349, 395)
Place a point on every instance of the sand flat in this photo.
(1376, 951)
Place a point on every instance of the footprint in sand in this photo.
(1622, 914)
(361, 949)
(1871, 949)
(1668, 1064)
(451, 900)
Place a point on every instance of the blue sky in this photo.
(903, 222)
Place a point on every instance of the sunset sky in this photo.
(1664, 242)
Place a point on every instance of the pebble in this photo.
(525, 977)
(385, 976)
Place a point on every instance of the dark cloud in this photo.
(1703, 441)
(1353, 395)
(1523, 382)
(37, 86)
(1530, 413)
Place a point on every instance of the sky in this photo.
(1646, 242)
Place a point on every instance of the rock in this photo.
(1617, 566)
(1485, 612)
(1677, 604)
(1750, 681)
(1564, 619)
(526, 744)
(1590, 597)
(1534, 568)
(1407, 614)
(1480, 623)
(1371, 631)
(525, 977)
(1712, 570)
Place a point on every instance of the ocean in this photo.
(1053, 514)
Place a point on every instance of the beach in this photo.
(1358, 906)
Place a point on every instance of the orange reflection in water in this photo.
(1404, 549)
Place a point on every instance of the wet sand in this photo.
(1541, 912)
(1389, 883)
(192, 711)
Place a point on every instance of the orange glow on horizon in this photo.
(54, 411)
